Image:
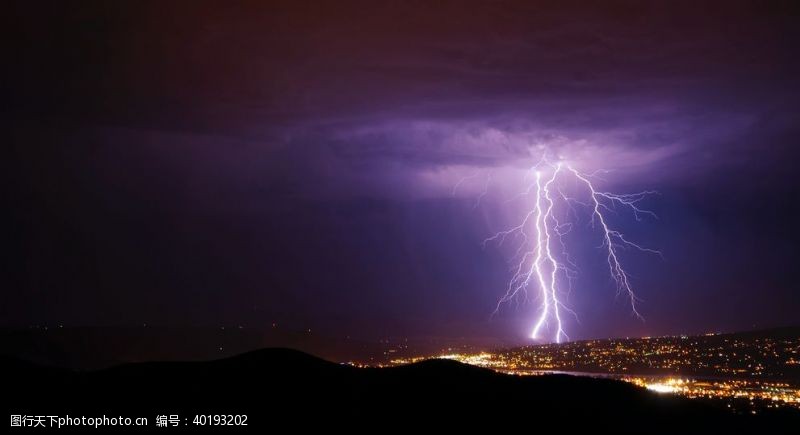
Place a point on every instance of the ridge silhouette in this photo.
(278, 387)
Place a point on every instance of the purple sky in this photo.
(192, 163)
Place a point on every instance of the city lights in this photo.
(748, 372)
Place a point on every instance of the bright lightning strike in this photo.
(539, 266)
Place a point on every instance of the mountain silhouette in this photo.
(279, 388)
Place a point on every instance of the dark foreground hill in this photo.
(279, 388)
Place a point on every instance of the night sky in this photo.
(193, 163)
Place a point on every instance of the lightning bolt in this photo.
(484, 191)
(462, 181)
(537, 265)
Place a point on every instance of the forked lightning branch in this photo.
(542, 263)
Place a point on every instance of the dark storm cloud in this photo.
(222, 152)
(241, 63)
(296, 74)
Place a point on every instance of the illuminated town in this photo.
(748, 372)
